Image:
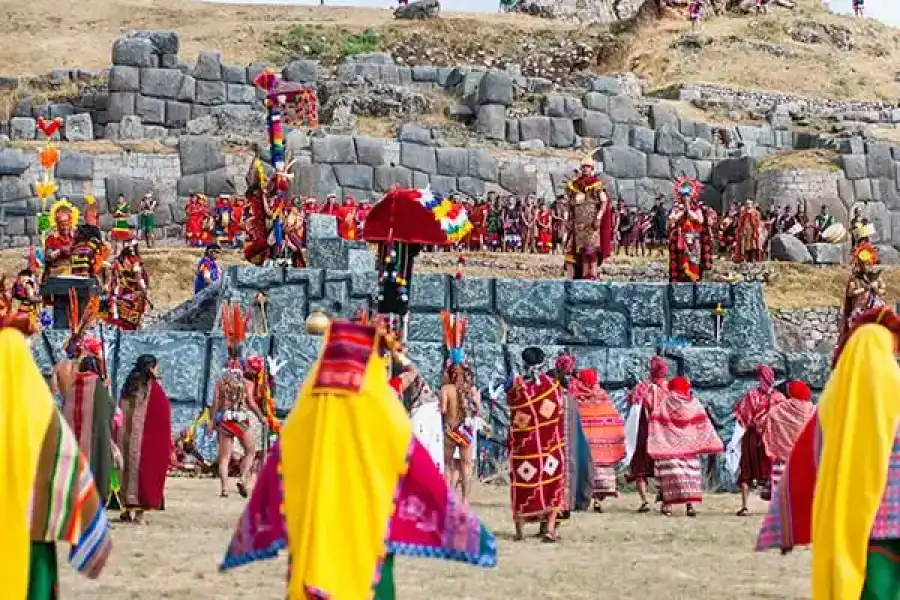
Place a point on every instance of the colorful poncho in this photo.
(840, 487)
(348, 485)
(603, 425)
(680, 428)
(48, 495)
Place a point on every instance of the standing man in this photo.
(822, 223)
(208, 271)
(590, 224)
(536, 447)
(750, 238)
(147, 218)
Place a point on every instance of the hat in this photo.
(213, 247)
(533, 356)
(680, 385)
(588, 377)
(588, 160)
(798, 390)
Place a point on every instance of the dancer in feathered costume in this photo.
(460, 407)
(234, 402)
(690, 253)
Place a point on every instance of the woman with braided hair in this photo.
(842, 479)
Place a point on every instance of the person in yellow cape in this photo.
(840, 489)
(348, 485)
(48, 494)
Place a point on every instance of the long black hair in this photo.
(140, 376)
(90, 364)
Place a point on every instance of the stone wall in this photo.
(807, 329)
(200, 165)
(613, 328)
(761, 103)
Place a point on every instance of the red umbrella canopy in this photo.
(401, 216)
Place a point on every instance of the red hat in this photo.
(588, 377)
(93, 345)
(680, 385)
(798, 390)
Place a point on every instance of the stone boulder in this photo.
(787, 248)
(828, 254)
(422, 9)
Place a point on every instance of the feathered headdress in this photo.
(451, 215)
(865, 254)
(688, 187)
(79, 323)
(234, 327)
(455, 327)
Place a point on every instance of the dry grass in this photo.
(790, 286)
(739, 53)
(819, 160)
(600, 557)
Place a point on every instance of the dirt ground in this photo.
(609, 556)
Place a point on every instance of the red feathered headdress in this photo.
(455, 327)
(688, 187)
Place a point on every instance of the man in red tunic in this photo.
(536, 441)
(543, 221)
(749, 243)
(590, 224)
(478, 218)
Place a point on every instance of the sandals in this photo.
(598, 508)
(242, 489)
(691, 512)
(549, 538)
(742, 513)
(126, 517)
(645, 507)
(518, 537)
(665, 511)
(223, 494)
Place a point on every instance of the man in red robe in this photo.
(362, 213)
(478, 218)
(590, 223)
(543, 221)
(751, 412)
(536, 445)
(749, 243)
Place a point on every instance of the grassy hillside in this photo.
(807, 50)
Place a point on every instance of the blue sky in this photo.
(884, 10)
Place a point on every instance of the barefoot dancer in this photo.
(233, 403)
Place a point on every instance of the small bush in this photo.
(327, 44)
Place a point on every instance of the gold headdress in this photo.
(66, 206)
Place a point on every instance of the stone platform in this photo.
(614, 328)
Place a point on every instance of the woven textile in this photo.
(680, 480)
(536, 447)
